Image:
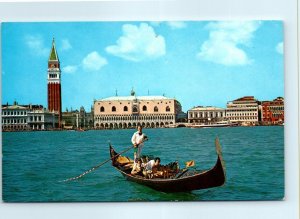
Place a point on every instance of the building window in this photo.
(144, 108)
(125, 108)
(155, 109)
(102, 109)
(167, 109)
(134, 109)
(113, 109)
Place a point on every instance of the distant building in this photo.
(243, 110)
(206, 115)
(86, 119)
(75, 119)
(27, 117)
(131, 111)
(69, 119)
(272, 112)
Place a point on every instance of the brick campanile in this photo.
(54, 83)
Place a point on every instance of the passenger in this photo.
(148, 167)
(137, 140)
(137, 167)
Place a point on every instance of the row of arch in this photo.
(134, 109)
(127, 118)
(129, 125)
(14, 127)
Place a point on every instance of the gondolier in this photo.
(137, 140)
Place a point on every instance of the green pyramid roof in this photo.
(53, 55)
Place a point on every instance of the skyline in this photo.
(199, 63)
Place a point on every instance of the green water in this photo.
(34, 163)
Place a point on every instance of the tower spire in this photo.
(53, 54)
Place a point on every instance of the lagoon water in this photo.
(34, 163)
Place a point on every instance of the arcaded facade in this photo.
(120, 112)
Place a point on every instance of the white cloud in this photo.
(138, 43)
(36, 44)
(70, 68)
(279, 48)
(224, 39)
(65, 44)
(176, 24)
(93, 62)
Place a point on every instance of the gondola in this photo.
(213, 177)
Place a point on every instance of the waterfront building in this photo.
(14, 117)
(206, 115)
(272, 112)
(19, 117)
(42, 119)
(243, 110)
(131, 111)
(69, 119)
(54, 82)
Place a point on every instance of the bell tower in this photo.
(54, 83)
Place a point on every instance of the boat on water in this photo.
(217, 124)
(182, 181)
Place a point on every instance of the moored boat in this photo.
(182, 182)
(212, 125)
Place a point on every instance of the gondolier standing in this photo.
(137, 140)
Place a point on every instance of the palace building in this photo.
(54, 83)
(120, 112)
(243, 110)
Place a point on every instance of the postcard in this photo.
(142, 111)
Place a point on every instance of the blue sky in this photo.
(199, 63)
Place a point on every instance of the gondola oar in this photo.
(101, 164)
(97, 166)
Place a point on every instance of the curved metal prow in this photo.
(219, 152)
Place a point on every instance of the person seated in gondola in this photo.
(166, 171)
(137, 167)
(148, 167)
